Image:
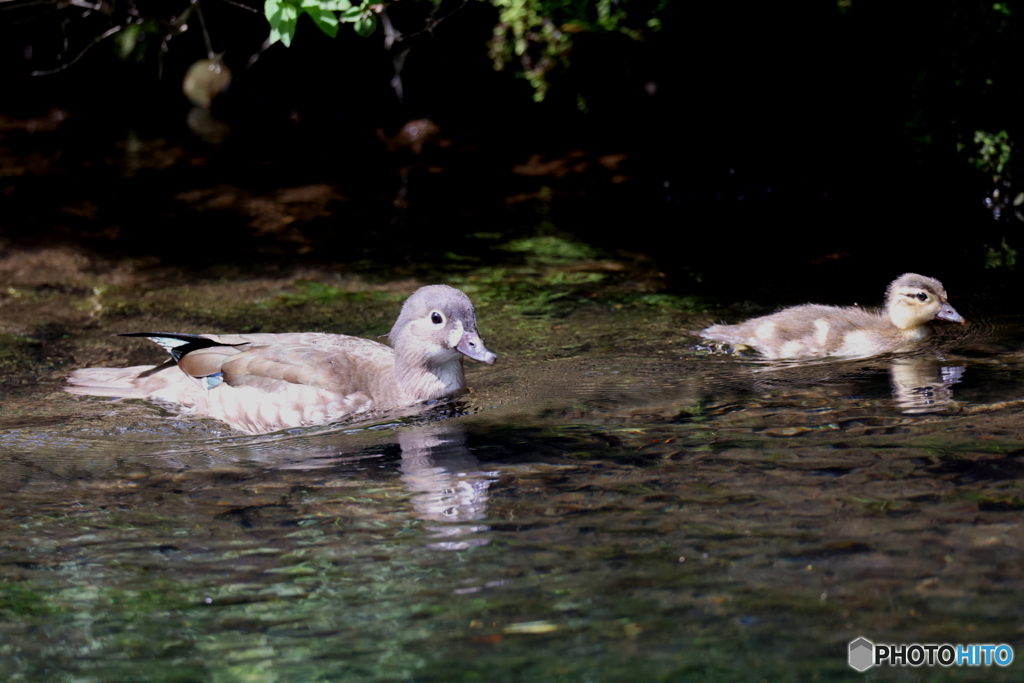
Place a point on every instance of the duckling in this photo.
(809, 331)
(260, 383)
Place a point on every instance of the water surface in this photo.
(608, 503)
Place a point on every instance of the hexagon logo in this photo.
(862, 654)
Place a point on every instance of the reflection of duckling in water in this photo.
(808, 331)
(921, 385)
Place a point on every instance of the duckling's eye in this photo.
(436, 318)
(921, 296)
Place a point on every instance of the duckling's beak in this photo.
(947, 312)
(473, 346)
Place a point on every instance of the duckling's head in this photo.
(436, 324)
(913, 300)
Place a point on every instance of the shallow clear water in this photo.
(608, 503)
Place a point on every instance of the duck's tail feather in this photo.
(118, 382)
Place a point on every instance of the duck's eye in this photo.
(921, 296)
(436, 318)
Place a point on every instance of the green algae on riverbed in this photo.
(556, 278)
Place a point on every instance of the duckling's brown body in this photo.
(810, 331)
(263, 382)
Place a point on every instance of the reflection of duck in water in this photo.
(263, 382)
(912, 301)
(447, 484)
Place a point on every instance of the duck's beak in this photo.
(473, 346)
(947, 312)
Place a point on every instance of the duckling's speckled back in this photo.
(811, 330)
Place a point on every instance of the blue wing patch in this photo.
(211, 381)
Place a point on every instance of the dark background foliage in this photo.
(765, 142)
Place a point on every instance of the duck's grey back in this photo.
(281, 380)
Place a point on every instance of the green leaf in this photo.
(282, 23)
(351, 14)
(326, 20)
(338, 5)
(127, 40)
(366, 25)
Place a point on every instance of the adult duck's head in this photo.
(436, 325)
(913, 300)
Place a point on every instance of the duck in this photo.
(260, 383)
(813, 331)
